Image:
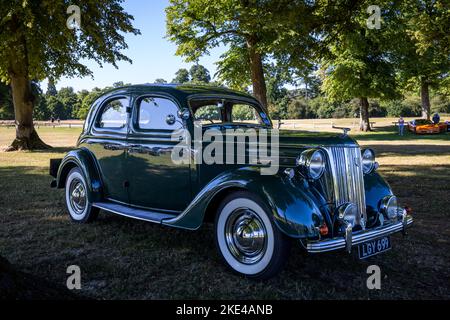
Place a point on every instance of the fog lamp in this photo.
(389, 207)
(348, 212)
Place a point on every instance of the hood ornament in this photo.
(345, 130)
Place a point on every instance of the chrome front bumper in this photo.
(358, 237)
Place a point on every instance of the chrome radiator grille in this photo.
(345, 177)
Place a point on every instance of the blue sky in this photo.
(153, 56)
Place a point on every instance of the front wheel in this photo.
(77, 201)
(247, 238)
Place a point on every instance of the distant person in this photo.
(59, 121)
(52, 119)
(401, 125)
(436, 118)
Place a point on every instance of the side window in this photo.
(208, 114)
(244, 113)
(153, 113)
(114, 115)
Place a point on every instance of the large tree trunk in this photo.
(23, 98)
(364, 112)
(257, 72)
(425, 97)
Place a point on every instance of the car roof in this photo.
(181, 90)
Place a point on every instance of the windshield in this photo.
(227, 111)
(423, 121)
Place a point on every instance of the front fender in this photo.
(376, 189)
(294, 211)
(83, 159)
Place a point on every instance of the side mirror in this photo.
(170, 119)
(184, 114)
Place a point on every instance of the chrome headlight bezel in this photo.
(368, 162)
(348, 212)
(389, 207)
(312, 163)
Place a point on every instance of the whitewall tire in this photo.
(77, 200)
(247, 238)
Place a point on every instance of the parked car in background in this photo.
(325, 195)
(424, 126)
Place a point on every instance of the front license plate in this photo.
(373, 247)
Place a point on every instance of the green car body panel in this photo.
(297, 206)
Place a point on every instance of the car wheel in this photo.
(247, 237)
(78, 204)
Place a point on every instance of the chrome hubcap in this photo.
(246, 236)
(77, 194)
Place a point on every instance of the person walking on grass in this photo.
(401, 125)
(436, 118)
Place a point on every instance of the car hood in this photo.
(292, 143)
(305, 139)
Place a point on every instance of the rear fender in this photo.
(85, 161)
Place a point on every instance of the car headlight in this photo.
(368, 161)
(312, 163)
(348, 212)
(389, 207)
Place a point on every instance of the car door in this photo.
(108, 144)
(156, 182)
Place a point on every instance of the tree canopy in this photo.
(36, 43)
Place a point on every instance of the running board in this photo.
(135, 213)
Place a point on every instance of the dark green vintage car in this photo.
(147, 152)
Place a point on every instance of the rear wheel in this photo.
(77, 201)
(247, 238)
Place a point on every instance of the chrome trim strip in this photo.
(358, 237)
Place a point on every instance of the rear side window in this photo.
(114, 115)
(153, 113)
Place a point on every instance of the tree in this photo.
(181, 76)
(423, 55)
(357, 63)
(248, 27)
(70, 101)
(160, 80)
(199, 74)
(88, 100)
(6, 103)
(36, 43)
(51, 88)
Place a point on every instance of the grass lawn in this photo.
(122, 258)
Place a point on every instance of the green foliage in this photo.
(51, 47)
(233, 68)
(356, 63)
(160, 80)
(88, 100)
(6, 103)
(181, 76)
(199, 74)
(243, 112)
(51, 88)
(422, 55)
